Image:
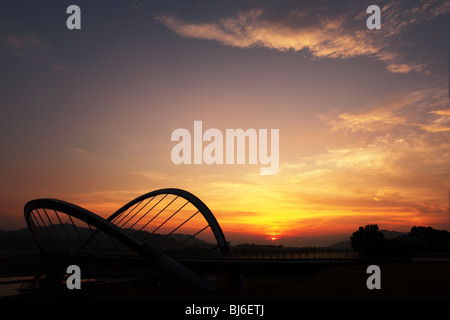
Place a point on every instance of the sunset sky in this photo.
(363, 115)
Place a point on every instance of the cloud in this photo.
(401, 113)
(441, 123)
(324, 31)
(406, 179)
(80, 150)
(250, 29)
(406, 154)
(370, 122)
(405, 68)
(28, 46)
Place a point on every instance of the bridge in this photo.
(163, 234)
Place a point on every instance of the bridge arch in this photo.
(64, 229)
(189, 197)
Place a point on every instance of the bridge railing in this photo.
(295, 254)
(258, 254)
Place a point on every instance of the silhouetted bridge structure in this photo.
(167, 233)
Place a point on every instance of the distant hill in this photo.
(388, 234)
(392, 234)
(341, 245)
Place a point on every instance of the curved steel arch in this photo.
(203, 209)
(91, 219)
(162, 260)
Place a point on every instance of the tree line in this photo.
(370, 242)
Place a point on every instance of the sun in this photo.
(273, 236)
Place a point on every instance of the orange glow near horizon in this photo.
(304, 202)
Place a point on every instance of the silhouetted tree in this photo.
(370, 242)
(369, 233)
(432, 239)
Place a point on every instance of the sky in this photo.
(363, 114)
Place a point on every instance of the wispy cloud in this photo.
(80, 150)
(416, 108)
(370, 122)
(323, 31)
(29, 46)
(441, 123)
(406, 154)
